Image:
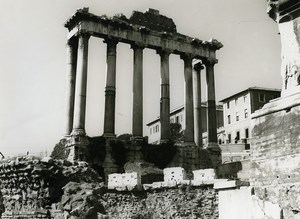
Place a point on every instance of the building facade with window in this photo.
(237, 111)
(178, 116)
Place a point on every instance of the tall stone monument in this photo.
(276, 127)
(287, 14)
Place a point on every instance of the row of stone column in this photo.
(77, 54)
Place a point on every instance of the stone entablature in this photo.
(124, 31)
(283, 10)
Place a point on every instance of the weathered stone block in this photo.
(204, 174)
(114, 180)
(276, 142)
(174, 174)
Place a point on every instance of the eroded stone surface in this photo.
(184, 203)
(34, 188)
(287, 14)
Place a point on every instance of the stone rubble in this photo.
(47, 188)
(182, 202)
(35, 187)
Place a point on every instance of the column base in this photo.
(213, 146)
(135, 152)
(77, 146)
(136, 138)
(109, 135)
(188, 144)
(215, 153)
(162, 141)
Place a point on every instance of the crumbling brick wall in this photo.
(32, 188)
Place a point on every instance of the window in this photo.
(247, 133)
(246, 113)
(245, 98)
(177, 119)
(150, 131)
(228, 105)
(156, 129)
(229, 138)
(237, 116)
(228, 119)
(261, 97)
(236, 101)
(172, 120)
(237, 137)
(181, 118)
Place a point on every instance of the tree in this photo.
(176, 132)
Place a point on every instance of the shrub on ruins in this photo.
(125, 137)
(59, 150)
(96, 153)
(119, 151)
(96, 149)
(161, 155)
(2, 208)
(176, 133)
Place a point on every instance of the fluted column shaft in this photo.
(197, 112)
(110, 89)
(188, 99)
(164, 96)
(137, 111)
(81, 85)
(70, 85)
(211, 104)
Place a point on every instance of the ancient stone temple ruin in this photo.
(142, 30)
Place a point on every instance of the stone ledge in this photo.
(279, 104)
(230, 184)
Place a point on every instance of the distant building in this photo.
(178, 116)
(237, 111)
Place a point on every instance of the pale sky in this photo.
(33, 63)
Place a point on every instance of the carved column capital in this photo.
(209, 62)
(187, 57)
(73, 42)
(135, 46)
(84, 34)
(198, 66)
(164, 52)
(110, 41)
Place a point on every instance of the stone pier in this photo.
(164, 96)
(137, 108)
(110, 89)
(188, 100)
(197, 112)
